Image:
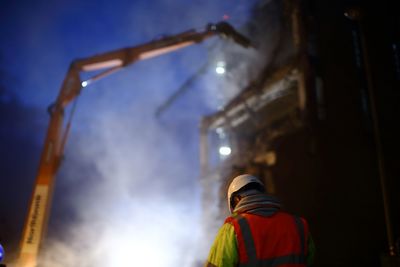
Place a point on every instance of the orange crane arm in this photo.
(52, 152)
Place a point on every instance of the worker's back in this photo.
(279, 236)
(259, 233)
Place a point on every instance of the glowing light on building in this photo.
(220, 69)
(225, 150)
(84, 83)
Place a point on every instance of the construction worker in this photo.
(259, 233)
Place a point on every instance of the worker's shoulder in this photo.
(234, 217)
(230, 219)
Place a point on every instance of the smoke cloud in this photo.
(129, 185)
(127, 193)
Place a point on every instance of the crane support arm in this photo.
(126, 56)
(112, 61)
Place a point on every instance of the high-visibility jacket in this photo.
(277, 240)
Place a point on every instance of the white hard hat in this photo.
(238, 183)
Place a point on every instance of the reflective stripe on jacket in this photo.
(277, 240)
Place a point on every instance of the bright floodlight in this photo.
(220, 70)
(84, 83)
(225, 150)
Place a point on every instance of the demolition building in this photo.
(318, 125)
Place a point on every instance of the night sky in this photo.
(125, 173)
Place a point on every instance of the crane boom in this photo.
(107, 63)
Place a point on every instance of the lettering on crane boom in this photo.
(36, 216)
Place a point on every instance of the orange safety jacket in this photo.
(277, 240)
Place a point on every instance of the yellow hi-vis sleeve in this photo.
(224, 251)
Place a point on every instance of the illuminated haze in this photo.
(133, 190)
(127, 192)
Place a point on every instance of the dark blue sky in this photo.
(120, 161)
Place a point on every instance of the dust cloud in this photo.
(127, 193)
(132, 188)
